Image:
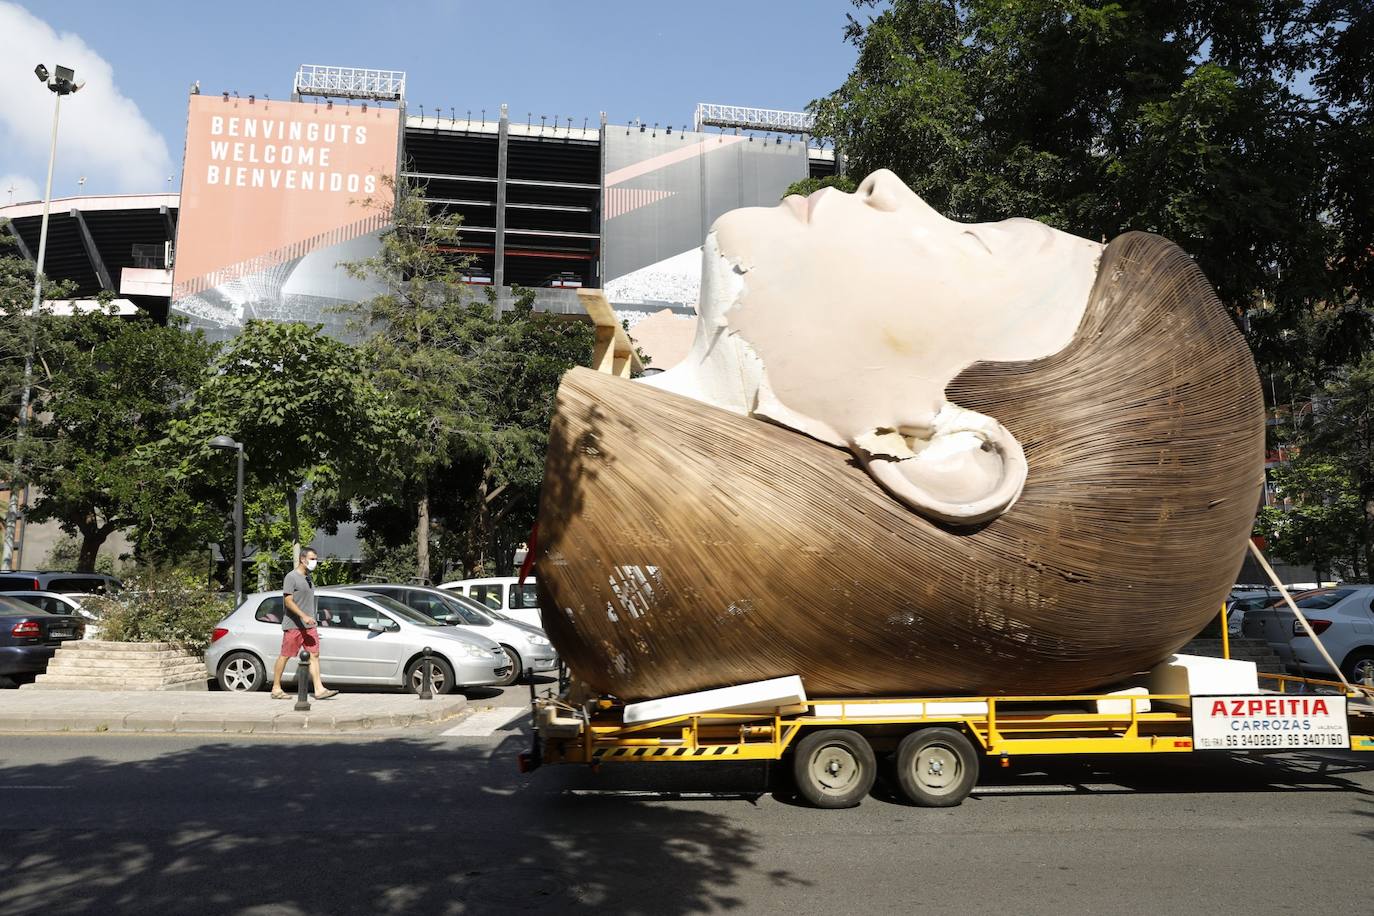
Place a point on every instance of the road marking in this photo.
(485, 722)
(33, 787)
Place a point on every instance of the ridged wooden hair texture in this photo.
(682, 547)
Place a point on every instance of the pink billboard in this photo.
(272, 200)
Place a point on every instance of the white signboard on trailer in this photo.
(1269, 722)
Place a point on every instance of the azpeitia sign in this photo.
(271, 202)
(1268, 721)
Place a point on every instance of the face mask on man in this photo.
(310, 564)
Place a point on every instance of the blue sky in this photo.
(645, 59)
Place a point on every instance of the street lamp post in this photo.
(224, 442)
(62, 82)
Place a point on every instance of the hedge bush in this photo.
(162, 607)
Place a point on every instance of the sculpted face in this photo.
(844, 317)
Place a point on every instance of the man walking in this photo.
(298, 626)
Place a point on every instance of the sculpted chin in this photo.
(907, 455)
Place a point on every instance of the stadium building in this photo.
(272, 191)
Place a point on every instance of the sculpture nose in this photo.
(882, 190)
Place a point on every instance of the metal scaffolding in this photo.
(350, 83)
(783, 122)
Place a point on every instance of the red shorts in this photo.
(292, 641)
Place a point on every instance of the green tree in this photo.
(482, 377)
(1343, 435)
(533, 351)
(808, 186)
(305, 407)
(26, 338)
(1318, 528)
(114, 386)
(1241, 132)
(426, 339)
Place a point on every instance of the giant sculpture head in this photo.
(907, 454)
(855, 311)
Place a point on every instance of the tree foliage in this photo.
(1330, 483)
(482, 376)
(307, 411)
(115, 386)
(807, 186)
(1239, 131)
(24, 332)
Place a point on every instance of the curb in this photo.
(287, 722)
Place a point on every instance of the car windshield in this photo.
(466, 611)
(409, 615)
(1323, 600)
(483, 615)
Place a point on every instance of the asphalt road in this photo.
(440, 822)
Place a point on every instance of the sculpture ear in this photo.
(966, 468)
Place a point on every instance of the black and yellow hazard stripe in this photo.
(645, 752)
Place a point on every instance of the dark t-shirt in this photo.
(302, 591)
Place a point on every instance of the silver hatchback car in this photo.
(528, 647)
(365, 640)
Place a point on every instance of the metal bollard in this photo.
(426, 691)
(303, 682)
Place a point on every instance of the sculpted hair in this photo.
(683, 547)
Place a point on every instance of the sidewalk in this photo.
(214, 712)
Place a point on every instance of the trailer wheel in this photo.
(936, 767)
(834, 768)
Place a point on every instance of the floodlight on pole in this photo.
(228, 444)
(62, 82)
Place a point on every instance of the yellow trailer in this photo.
(940, 743)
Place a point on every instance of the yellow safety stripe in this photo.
(672, 751)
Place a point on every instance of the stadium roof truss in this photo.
(783, 122)
(350, 83)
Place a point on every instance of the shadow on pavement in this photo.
(1198, 772)
(390, 826)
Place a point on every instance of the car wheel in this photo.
(242, 672)
(1359, 667)
(515, 669)
(936, 767)
(440, 678)
(834, 768)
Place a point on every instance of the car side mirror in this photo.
(378, 626)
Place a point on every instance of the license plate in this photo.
(61, 633)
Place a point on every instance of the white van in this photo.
(503, 594)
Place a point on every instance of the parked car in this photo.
(504, 594)
(1342, 617)
(56, 603)
(30, 637)
(64, 583)
(528, 647)
(1237, 606)
(364, 640)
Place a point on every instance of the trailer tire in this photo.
(936, 767)
(834, 768)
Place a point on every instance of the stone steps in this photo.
(103, 665)
(88, 646)
(132, 663)
(67, 682)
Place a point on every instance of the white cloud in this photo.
(18, 189)
(101, 129)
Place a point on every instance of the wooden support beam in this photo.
(614, 353)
